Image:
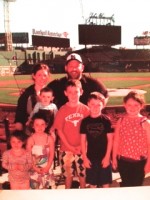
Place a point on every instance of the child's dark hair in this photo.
(39, 115)
(19, 135)
(135, 96)
(73, 83)
(97, 96)
(46, 89)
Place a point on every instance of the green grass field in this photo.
(9, 85)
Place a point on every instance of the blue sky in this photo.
(65, 15)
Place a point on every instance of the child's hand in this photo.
(78, 149)
(87, 162)
(114, 164)
(52, 129)
(105, 162)
(147, 167)
(28, 122)
(45, 170)
(38, 170)
(75, 150)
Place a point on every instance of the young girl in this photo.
(131, 148)
(46, 107)
(41, 145)
(18, 162)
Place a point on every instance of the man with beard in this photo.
(74, 69)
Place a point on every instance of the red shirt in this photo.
(68, 120)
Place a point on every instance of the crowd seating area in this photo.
(109, 59)
(98, 58)
(135, 55)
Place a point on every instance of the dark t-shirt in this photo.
(96, 130)
(88, 85)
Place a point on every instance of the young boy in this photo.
(45, 107)
(96, 143)
(67, 123)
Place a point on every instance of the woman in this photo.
(28, 99)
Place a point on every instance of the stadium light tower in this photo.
(82, 11)
(8, 34)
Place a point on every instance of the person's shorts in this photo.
(72, 164)
(96, 175)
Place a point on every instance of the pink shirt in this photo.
(133, 138)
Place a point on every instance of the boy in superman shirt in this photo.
(96, 143)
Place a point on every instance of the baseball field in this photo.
(118, 85)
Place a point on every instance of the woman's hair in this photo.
(135, 96)
(40, 66)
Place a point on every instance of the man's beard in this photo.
(74, 76)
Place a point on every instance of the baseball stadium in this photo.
(120, 70)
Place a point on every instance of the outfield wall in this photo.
(114, 112)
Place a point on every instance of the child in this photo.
(67, 123)
(96, 143)
(41, 145)
(18, 162)
(131, 148)
(45, 107)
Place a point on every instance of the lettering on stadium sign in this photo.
(48, 33)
